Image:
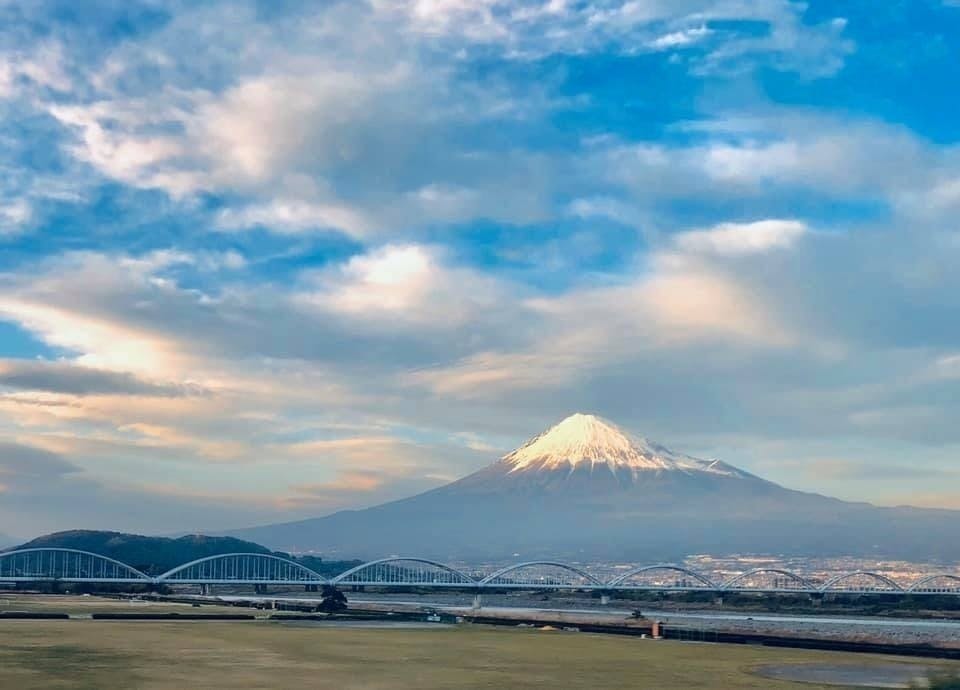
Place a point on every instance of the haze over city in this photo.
(264, 261)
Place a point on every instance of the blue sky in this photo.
(266, 260)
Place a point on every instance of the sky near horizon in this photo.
(266, 260)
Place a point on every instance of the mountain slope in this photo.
(152, 555)
(155, 555)
(585, 488)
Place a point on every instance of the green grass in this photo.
(95, 654)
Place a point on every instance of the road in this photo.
(864, 628)
(668, 616)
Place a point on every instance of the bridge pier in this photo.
(604, 599)
(311, 588)
(205, 590)
(478, 601)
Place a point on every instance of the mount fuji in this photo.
(587, 489)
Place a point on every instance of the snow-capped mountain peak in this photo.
(587, 440)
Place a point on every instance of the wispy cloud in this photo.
(66, 377)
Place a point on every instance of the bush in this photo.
(332, 600)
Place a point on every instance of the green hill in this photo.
(155, 555)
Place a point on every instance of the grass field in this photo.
(84, 606)
(99, 654)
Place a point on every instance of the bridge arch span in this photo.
(620, 580)
(830, 585)
(498, 577)
(922, 585)
(71, 565)
(404, 570)
(734, 581)
(256, 568)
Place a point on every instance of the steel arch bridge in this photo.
(246, 568)
(399, 570)
(67, 565)
(884, 582)
(541, 575)
(623, 581)
(744, 582)
(73, 566)
(924, 586)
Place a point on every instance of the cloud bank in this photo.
(255, 266)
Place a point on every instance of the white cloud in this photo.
(680, 303)
(41, 65)
(492, 375)
(690, 301)
(301, 128)
(733, 239)
(404, 283)
(293, 216)
(15, 216)
(677, 39)
(110, 138)
(316, 144)
(391, 279)
(749, 162)
(531, 29)
(77, 305)
(106, 344)
(605, 207)
(773, 155)
(401, 333)
(265, 125)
